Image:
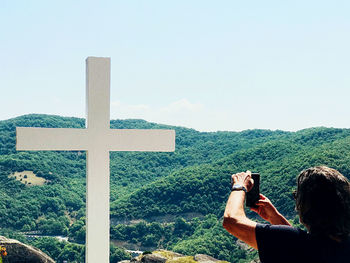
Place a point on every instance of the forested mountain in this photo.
(204, 188)
(159, 188)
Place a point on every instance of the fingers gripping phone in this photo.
(253, 195)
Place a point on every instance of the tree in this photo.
(118, 254)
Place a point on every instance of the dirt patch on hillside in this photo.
(28, 178)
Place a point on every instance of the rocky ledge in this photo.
(162, 256)
(18, 252)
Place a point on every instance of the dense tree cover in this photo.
(197, 236)
(193, 179)
(129, 170)
(210, 238)
(204, 188)
(64, 195)
(154, 235)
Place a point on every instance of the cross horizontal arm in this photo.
(141, 140)
(51, 139)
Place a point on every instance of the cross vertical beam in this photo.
(97, 163)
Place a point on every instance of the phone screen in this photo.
(254, 193)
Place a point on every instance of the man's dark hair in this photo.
(323, 201)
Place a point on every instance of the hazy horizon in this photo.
(179, 125)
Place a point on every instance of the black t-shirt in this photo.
(285, 244)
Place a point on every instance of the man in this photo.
(323, 204)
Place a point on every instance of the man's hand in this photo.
(266, 210)
(244, 179)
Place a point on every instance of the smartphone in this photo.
(254, 194)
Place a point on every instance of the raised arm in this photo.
(235, 219)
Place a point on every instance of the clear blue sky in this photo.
(207, 65)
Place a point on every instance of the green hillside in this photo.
(160, 188)
(204, 188)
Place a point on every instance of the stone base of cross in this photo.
(98, 140)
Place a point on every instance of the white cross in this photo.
(98, 140)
